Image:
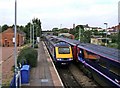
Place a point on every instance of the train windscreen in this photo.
(64, 50)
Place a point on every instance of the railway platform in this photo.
(45, 74)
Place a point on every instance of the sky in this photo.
(61, 13)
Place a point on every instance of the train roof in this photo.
(109, 53)
(57, 42)
(62, 44)
(70, 41)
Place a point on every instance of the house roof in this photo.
(11, 30)
(65, 34)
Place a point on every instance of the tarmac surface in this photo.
(45, 73)
(6, 63)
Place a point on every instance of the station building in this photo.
(7, 36)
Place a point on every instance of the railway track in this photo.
(67, 77)
(73, 77)
(82, 79)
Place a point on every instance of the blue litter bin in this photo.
(25, 74)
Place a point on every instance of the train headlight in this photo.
(70, 59)
(59, 59)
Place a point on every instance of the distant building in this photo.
(100, 41)
(113, 30)
(87, 27)
(66, 35)
(8, 35)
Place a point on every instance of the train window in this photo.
(90, 55)
(80, 53)
(114, 69)
(64, 50)
(102, 63)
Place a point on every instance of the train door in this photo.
(74, 52)
(54, 55)
(80, 55)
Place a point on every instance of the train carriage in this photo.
(104, 69)
(60, 51)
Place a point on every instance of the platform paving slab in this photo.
(44, 74)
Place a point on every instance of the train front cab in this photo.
(103, 70)
(63, 54)
(75, 51)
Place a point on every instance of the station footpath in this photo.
(45, 74)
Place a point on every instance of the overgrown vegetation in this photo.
(28, 56)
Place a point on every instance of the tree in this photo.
(27, 30)
(118, 42)
(114, 38)
(81, 28)
(37, 27)
(4, 27)
(55, 31)
(22, 28)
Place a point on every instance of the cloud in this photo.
(56, 12)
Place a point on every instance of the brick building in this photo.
(8, 35)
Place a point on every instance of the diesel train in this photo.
(60, 51)
(98, 62)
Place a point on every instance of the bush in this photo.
(36, 46)
(28, 56)
(113, 45)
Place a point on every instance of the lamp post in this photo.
(15, 44)
(33, 34)
(37, 34)
(106, 32)
(30, 34)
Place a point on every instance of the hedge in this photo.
(36, 46)
(28, 56)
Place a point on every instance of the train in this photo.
(98, 62)
(60, 51)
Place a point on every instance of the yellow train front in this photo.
(60, 51)
(63, 53)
